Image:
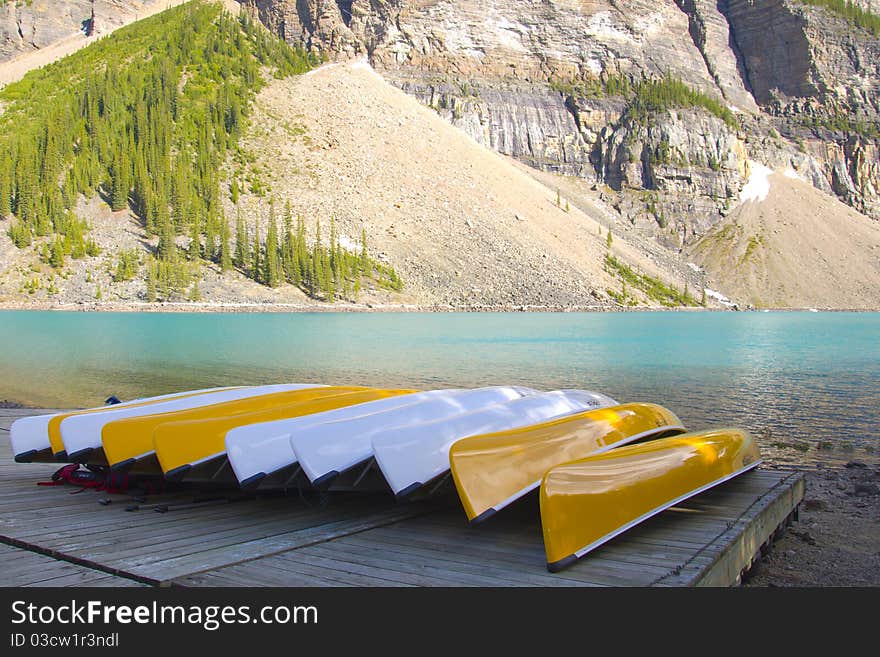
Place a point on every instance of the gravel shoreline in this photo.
(836, 539)
(341, 307)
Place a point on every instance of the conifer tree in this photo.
(151, 294)
(194, 249)
(225, 250)
(257, 257)
(272, 274)
(56, 257)
(211, 238)
(167, 248)
(288, 255)
(315, 273)
(303, 266)
(242, 248)
(5, 185)
(119, 185)
(365, 259)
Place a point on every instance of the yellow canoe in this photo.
(57, 444)
(181, 445)
(493, 470)
(129, 439)
(588, 502)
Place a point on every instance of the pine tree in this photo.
(5, 187)
(211, 239)
(194, 249)
(225, 250)
(256, 272)
(272, 274)
(303, 263)
(316, 273)
(56, 257)
(242, 248)
(288, 249)
(151, 284)
(365, 259)
(608, 239)
(167, 248)
(703, 298)
(119, 186)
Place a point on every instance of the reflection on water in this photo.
(798, 380)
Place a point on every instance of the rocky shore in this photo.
(836, 539)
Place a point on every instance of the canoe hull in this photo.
(180, 445)
(493, 470)
(30, 435)
(327, 450)
(76, 423)
(257, 451)
(417, 455)
(588, 502)
(128, 437)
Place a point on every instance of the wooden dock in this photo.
(53, 536)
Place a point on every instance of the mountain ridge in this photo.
(658, 160)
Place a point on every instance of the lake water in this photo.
(808, 384)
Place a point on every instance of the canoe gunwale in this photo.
(656, 433)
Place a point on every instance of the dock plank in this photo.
(26, 568)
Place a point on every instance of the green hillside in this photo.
(146, 118)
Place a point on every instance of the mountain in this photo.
(561, 86)
(643, 120)
(789, 245)
(521, 78)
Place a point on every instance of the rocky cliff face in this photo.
(792, 72)
(26, 27)
(29, 26)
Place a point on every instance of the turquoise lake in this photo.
(805, 383)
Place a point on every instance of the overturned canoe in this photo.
(130, 439)
(492, 470)
(30, 436)
(256, 451)
(79, 434)
(588, 502)
(325, 450)
(411, 456)
(180, 445)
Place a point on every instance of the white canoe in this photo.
(255, 451)
(30, 435)
(325, 450)
(82, 433)
(412, 456)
